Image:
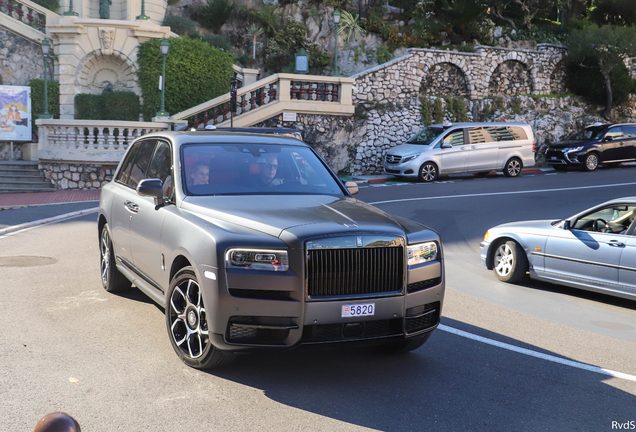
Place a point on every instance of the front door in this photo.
(615, 145)
(455, 158)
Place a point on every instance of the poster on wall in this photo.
(15, 113)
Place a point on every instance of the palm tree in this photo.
(254, 31)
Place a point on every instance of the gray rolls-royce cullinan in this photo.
(250, 241)
(594, 250)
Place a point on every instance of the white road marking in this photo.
(504, 193)
(551, 174)
(539, 355)
(16, 229)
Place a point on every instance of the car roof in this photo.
(480, 124)
(225, 137)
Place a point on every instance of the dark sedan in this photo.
(606, 144)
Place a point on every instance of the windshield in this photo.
(426, 136)
(229, 169)
(589, 133)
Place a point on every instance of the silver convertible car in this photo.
(594, 250)
(250, 242)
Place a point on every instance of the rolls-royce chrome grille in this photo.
(360, 266)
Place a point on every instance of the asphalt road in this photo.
(59, 324)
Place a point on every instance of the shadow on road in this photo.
(451, 383)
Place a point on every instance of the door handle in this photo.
(616, 243)
(131, 206)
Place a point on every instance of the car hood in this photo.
(407, 149)
(273, 214)
(525, 226)
(569, 143)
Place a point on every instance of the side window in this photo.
(140, 163)
(629, 131)
(161, 163)
(615, 132)
(124, 172)
(506, 133)
(518, 133)
(614, 219)
(478, 135)
(456, 138)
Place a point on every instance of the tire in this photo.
(187, 324)
(510, 262)
(428, 172)
(112, 279)
(405, 345)
(559, 167)
(590, 163)
(513, 167)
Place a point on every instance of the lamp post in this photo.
(46, 46)
(336, 21)
(143, 15)
(164, 47)
(70, 11)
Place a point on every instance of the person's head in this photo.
(200, 174)
(268, 168)
(13, 108)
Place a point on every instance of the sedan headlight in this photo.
(257, 259)
(410, 157)
(422, 252)
(572, 149)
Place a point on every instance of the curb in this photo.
(395, 179)
(14, 228)
(19, 206)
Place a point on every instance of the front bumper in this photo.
(249, 324)
(408, 169)
(483, 252)
(558, 157)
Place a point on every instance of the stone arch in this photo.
(444, 78)
(97, 70)
(557, 78)
(511, 77)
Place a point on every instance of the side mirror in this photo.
(352, 187)
(608, 138)
(152, 188)
(566, 224)
(447, 145)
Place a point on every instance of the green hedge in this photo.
(180, 25)
(108, 106)
(195, 73)
(37, 98)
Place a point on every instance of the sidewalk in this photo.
(18, 200)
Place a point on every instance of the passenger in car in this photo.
(199, 175)
(267, 170)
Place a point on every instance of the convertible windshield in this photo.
(589, 133)
(425, 136)
(228, 169)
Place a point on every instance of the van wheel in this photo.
(428, 172)
(512, 168)
(591, 162)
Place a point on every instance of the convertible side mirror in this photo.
(152, 188)
(608, 138)
(447, 145)
(352, 187)
(566, 224)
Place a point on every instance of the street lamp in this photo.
(143, 15)
(336, 21)
(46, 46)
(164, 47)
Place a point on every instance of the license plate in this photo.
(350, 311)
(553, 158)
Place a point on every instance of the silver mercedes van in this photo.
(447, 148)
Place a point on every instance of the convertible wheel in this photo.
(591, 162)
(510, 263)
(405, 345)
(428, 172)
(512, 168)
(186, 319)
(112, 279)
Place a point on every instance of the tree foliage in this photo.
(213, 14)
(614, 12)
(37, 97)
(109, 106)
(605, 47)
(195, 73)
(280, 49)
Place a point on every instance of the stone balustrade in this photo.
(274, 95)
(102, 141)
(26, 12)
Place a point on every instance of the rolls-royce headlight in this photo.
(422, 252)
(410, 157)
(257, 259)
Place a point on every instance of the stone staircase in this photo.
(22, 176)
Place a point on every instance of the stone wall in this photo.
(77, 175)
(20, 59)
(403, 79)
